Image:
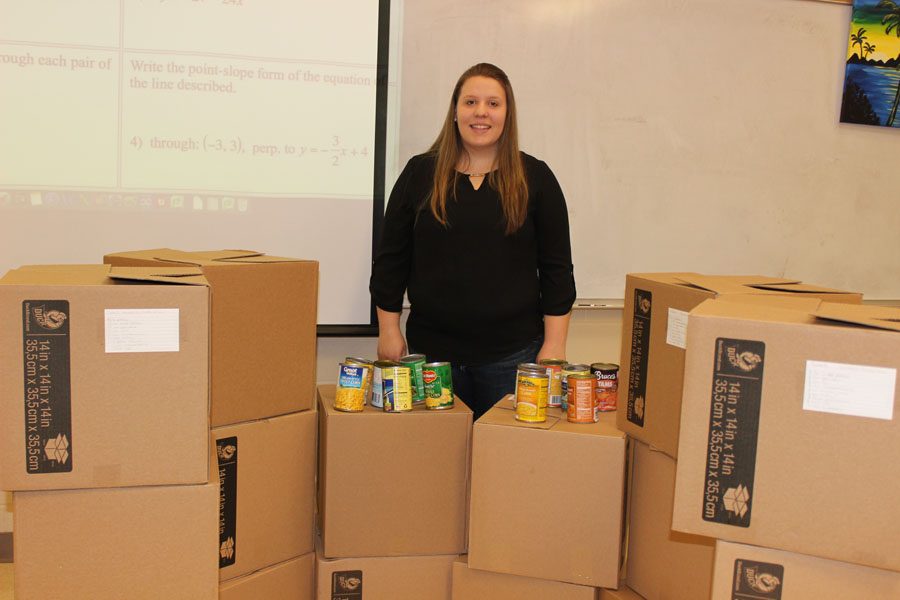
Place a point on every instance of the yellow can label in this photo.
(396, 389)
(531, 397)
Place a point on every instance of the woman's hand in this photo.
(391, 344)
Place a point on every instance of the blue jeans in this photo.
(482, 386)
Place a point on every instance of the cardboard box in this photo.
(392, 484)
(384, 578)
(293, 579)
(140, 543)
(263, 329)
(523, 472)
(105, 377)
(654, 325)
(623, 593)
(267, 505)
(789, 430)
(750, 572)
(662, 564)
(473, 584)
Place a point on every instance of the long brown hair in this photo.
(509, 177)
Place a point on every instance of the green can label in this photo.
(438, 385)
(415, 362)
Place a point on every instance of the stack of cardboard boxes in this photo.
(778, 437)
(392, 498)
(167, 402)
(262, 333)
(105, 436)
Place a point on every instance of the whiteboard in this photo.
(687, 135)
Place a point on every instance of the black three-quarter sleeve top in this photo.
(476, 294)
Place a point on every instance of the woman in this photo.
(477, 234)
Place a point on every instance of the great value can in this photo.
(415, 363)
(532, 388)
(581, 403)
(377, 390)
(395, 388)
(355, 360)
(350, 393)
(607, 382)
(571, 369)
(554, 372)
(438, 385)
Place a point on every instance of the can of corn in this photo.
(438, 385)
(355, 360)
(350, 393)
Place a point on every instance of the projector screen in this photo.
(196, 124)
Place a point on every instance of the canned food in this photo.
(415, 363)
(350, 393)
(526, 367)
(554, 372)
(607, 385)
(438, 385)
(532, 388)
(571, 369)
(377, 389)
(395, 386)
(582, 400)
(354, 360)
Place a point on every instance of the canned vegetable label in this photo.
(438, 385)
(531, 396)
(582, 400)
(350, 393)
(415, 363)
(395, 384)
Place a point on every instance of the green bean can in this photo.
(415, 362)
(438, 385)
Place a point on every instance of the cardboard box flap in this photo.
(796, 288)
(506, 418)
(58, 275)
(732, 284)
(882, 317)
(775, 309)
(168, 275)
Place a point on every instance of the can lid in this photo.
(530, 366)
(553, 361)
(604, 367)
(412, 358)
(356, 359)
(437, 364)
(576, 367)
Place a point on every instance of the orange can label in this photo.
(581, 401)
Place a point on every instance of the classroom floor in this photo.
(6, 581)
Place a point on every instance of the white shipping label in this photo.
(855, 390)
(676, 328)
(142, 330)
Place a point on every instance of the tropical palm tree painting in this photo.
(872, 78)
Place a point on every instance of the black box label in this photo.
(227, 455)
(757, 580)
(48, 389)
(640, 356)
(346, 585)
(733, 431)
